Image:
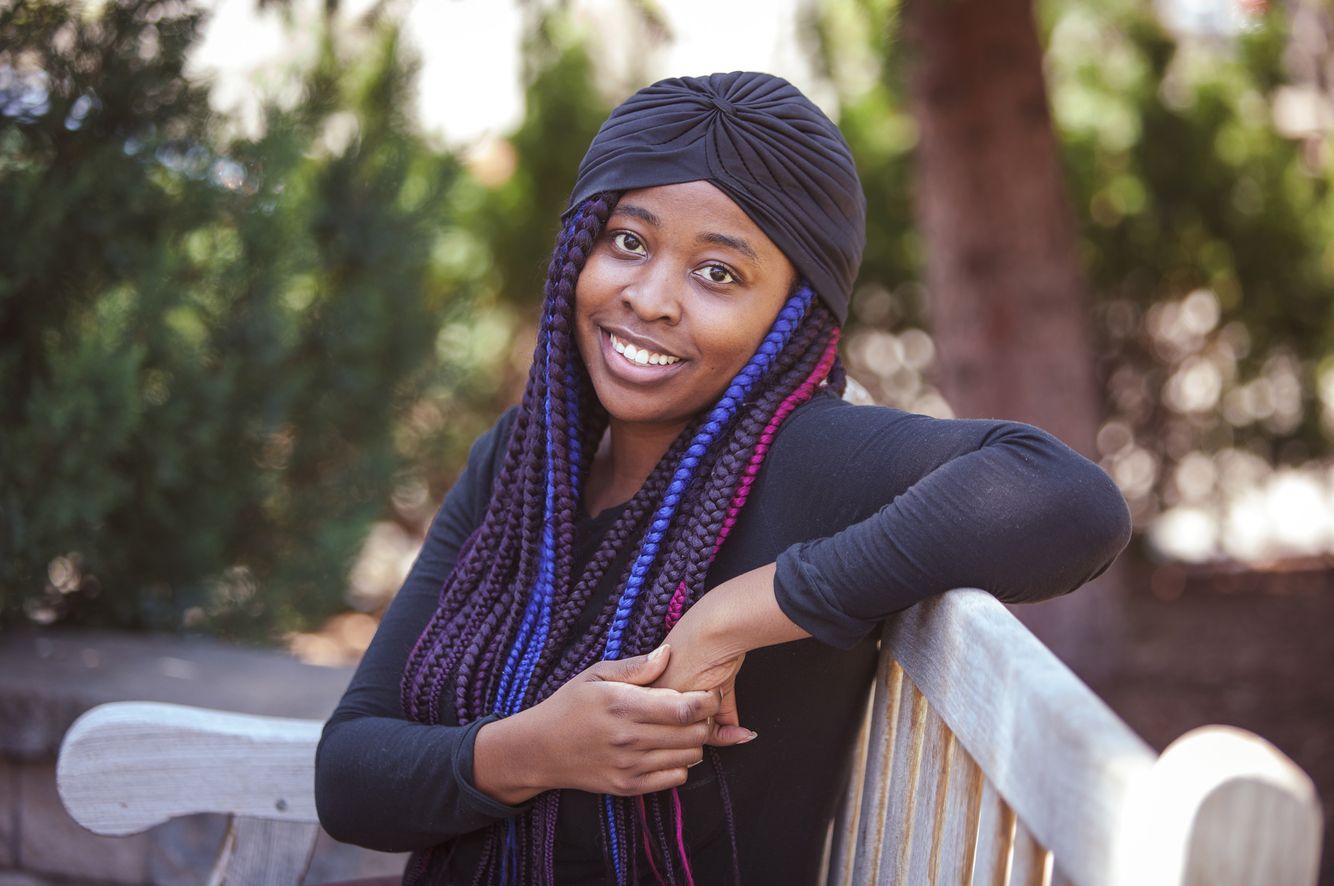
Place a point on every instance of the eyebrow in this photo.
(717, 239)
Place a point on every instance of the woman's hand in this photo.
(605, 731)
(698, 662)
(713, 636)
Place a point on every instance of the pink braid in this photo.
(680, 837)
(795, 399)
(648, 849)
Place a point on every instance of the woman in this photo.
(681, 490)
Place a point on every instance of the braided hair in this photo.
(500, 638)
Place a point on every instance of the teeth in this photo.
(642, 356)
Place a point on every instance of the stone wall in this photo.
(48, 678)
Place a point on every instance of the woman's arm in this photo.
(999, 505)
(381, 780)
(925, 505)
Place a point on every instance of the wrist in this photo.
(710, 624)
(742, 614)
(504, 762)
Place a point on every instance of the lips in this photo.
(636, 361)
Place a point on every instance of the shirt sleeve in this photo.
(383, 781)
(993, 504)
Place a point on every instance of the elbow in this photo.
(1079, 526)
(362, 804)
(332, 813)
(339, 803)
(1110, 518)
(1096, 529)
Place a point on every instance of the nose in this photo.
(654, 293)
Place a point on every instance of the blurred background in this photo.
(267, 269)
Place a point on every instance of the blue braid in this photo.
(546, 573)
(547, 557)
(504, 693)
(511, 850)
(531, 639)
(788, 319)
(774, 342)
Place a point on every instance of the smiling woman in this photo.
(683, 492)
(675, 297)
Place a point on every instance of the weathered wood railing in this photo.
(984, 761)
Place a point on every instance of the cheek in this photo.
(597, 279)
(730, 342)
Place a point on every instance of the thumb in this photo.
(726, 728)
(640, 670)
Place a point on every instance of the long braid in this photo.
(711, 509)
(502, 634)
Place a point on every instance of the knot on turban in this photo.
(763, 143)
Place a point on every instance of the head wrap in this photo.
(763, 143)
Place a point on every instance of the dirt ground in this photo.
(1251, 648)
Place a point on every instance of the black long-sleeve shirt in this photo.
(866, 510)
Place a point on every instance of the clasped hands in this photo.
(625, 727)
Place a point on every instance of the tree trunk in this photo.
(1008, 302)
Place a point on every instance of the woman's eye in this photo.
(627, 241)
(718, 274)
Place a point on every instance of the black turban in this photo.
(760, 141)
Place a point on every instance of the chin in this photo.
(628, 407)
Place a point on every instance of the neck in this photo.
(628, 454)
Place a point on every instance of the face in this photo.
(674, 299)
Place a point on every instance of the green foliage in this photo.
(1184, 183)
(205, 345)
(222, 358)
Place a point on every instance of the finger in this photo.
(671, 708)
(655, 737)
(725, 736)
(654, 761)
(727, 728)
(652, 782)
(727, 711)
(639, 670)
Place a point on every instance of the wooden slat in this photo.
(952, 854)
(903, 771)
(1063, 761)
(995, 831)
(927, 803)
(843, 833)
(1037, 762)
(262, 851)
(1060, 877)
(879, 761)
(1028, 859)
(127, 766)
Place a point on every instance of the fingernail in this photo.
(696, 763)
(657, 653)
(753, 735)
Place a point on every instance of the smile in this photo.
(640, 356)
(635, 364)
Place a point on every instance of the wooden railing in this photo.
(983, 760)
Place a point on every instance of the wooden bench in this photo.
(983, 760)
